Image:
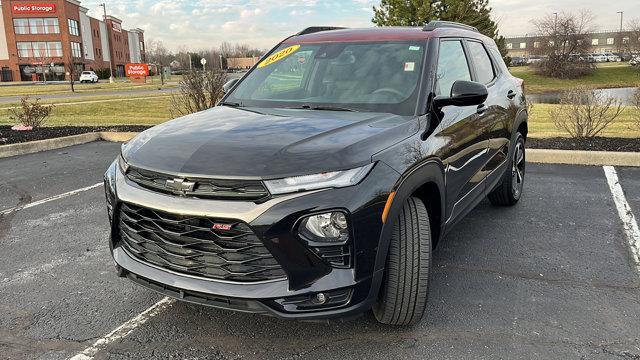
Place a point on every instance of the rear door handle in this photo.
(511, 94)
(482, 109)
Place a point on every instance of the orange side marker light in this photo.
(387, 206)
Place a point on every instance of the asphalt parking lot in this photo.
(553, 278)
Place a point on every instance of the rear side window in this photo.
(452, 66)
(482, 62)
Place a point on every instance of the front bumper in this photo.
(348, 291)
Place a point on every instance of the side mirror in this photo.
(463, 93)
(229, 85)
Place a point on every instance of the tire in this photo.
(403, 296)
(509, 192)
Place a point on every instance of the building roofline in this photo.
(113, 18)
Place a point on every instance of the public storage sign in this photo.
(136, 70)
(34, 8)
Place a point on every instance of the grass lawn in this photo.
(140, 112)
(104, 85)
(610, 75)
(154, 111)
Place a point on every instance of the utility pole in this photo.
(555, 23)
(104, 7)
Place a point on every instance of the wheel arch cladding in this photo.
(522, 125)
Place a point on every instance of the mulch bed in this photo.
(8, 136)
(595, 144)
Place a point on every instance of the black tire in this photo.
(403, 296)
(509, 191)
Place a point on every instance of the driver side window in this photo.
(452, 66)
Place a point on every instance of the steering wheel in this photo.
(395, 92)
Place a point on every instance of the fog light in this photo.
(327, 227)
(321, 298)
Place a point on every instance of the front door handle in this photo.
(511, 94)
(482, 109)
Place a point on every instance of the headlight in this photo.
(110, 187)
(110, 177)
(331, 227)
(122, 164)
(335, 179)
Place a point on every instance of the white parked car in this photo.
(88, 76)
(635, 61)
(612, 57)
(599, 58)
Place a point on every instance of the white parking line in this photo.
(629, 222)
(124, 329)
(49, 199)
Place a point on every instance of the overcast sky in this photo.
(201, 24)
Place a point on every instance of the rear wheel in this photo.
(403, 296)
(509, 191)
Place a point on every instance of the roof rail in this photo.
(438, 24)
(315, 29)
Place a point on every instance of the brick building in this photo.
(51, 35)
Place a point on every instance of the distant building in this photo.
(601, 42)
(59, 32)
(241, 63)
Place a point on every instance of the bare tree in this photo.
(636, 113)
(633, 43)
(585, 112)
(158, 54)
(561, 40)
(198, 91)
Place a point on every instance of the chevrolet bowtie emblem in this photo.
(180, 185)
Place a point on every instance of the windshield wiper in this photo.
(323, 107)
(231, 104)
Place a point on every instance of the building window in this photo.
(536, 44)
(36, 26)
(523, 45)
(39, 49)
(595, 42)
(73, 28)
(611, 41)
(76, 50)
(625, 40)
(21, 26)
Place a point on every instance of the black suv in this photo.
(325, 177)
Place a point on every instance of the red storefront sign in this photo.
(34, 8)
(136, 70)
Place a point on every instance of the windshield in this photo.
(376, 77)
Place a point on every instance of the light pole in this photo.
(104, 7)
(555, 22)
(620, 37)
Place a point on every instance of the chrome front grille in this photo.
(199, 246)
(221, 189)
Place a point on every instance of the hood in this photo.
(265, 143)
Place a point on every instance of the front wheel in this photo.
(403, 296)
(509, 192)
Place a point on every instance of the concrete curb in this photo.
(62, 142)
(574, 157)
(540, 156)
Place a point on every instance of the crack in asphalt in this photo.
(5, 219)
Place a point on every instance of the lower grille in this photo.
(190, 245)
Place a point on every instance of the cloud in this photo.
(262, 23)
